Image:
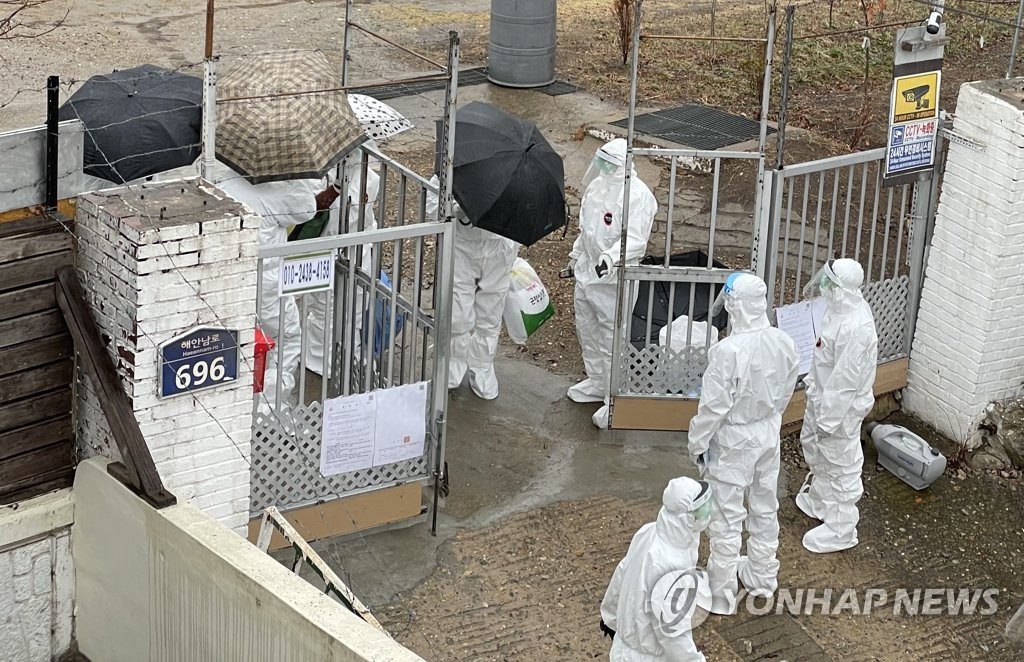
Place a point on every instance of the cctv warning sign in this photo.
(915, 97)
(913, 123)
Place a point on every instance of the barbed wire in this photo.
(197, 398)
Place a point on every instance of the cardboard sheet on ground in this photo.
(370, 429)
(802, 321)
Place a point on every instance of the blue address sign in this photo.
(199, 359)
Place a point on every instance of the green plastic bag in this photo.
(312, 228)
(527, 305)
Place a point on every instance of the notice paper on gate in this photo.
(802, 322)
(370, 429)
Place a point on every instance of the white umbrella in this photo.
(379, 120)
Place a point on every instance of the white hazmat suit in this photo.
(317, 318)
(635, 605)
(599, 244)
(839, 396)
(482, 273)
(280, 205)
(749, 381)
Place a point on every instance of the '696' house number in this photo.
(199, 359)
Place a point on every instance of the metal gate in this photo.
(702, 239)
(386, 325)
(839, 207)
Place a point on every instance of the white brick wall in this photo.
(156, 261)
(968, 348)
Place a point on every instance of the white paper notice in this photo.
(348, 433)
(401, 423)
(797, 320)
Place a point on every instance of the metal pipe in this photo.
(621, 314)
(52, 140)
(346, 42)
(208, 50)
(679, 37)
(209, 129)
(766, 91)
(443, 253)
(787, 62)
(398, 46)
(1016, 41)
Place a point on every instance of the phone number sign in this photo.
(202, 358)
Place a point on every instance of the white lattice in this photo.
(888, 301)
(286, 463)
(661, 370)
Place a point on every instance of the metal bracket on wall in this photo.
(954, 137)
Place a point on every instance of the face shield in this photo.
(823, 283)
(729, 290)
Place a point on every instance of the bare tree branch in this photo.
(13, 24)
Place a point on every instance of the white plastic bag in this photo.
(678, 341)
(527, 305)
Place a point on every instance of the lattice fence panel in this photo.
(888, 301)
(662, 370)
(286, 463)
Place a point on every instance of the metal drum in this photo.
(522, 43)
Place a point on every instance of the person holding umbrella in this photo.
(482, 274)
(592, 260)
(509, 187)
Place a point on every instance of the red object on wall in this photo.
(264, 344)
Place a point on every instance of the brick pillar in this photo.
(155, 261)
(968, 347)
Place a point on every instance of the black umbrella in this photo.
(138, 121)
(507, 178)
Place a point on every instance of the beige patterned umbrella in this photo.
(276, 121)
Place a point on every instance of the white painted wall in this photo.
(968, 347)
(157, 260)
(173, 584)
(36, 578)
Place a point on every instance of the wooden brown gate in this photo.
(36, 368)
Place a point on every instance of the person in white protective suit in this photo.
(482, 273)
(598, 248)
(647, 617)
(839, 396)
(280, 205)
(734, 440)
(316, 321)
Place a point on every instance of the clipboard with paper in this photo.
(802, 322)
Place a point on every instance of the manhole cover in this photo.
(700, 127)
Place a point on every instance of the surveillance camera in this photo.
(934, 19)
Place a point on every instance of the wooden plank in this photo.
(23, 164)
(19, 471)
(27, 301)
(32, 410)
(136, 469)
(652, 414)
(37, 485)
(66, 207)
(37, 435)
(38, 380)
(33, 245)
(58, 480)
(674, 414)
(37, 325)
(348, 514)
(22, 273)
(38, 352)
